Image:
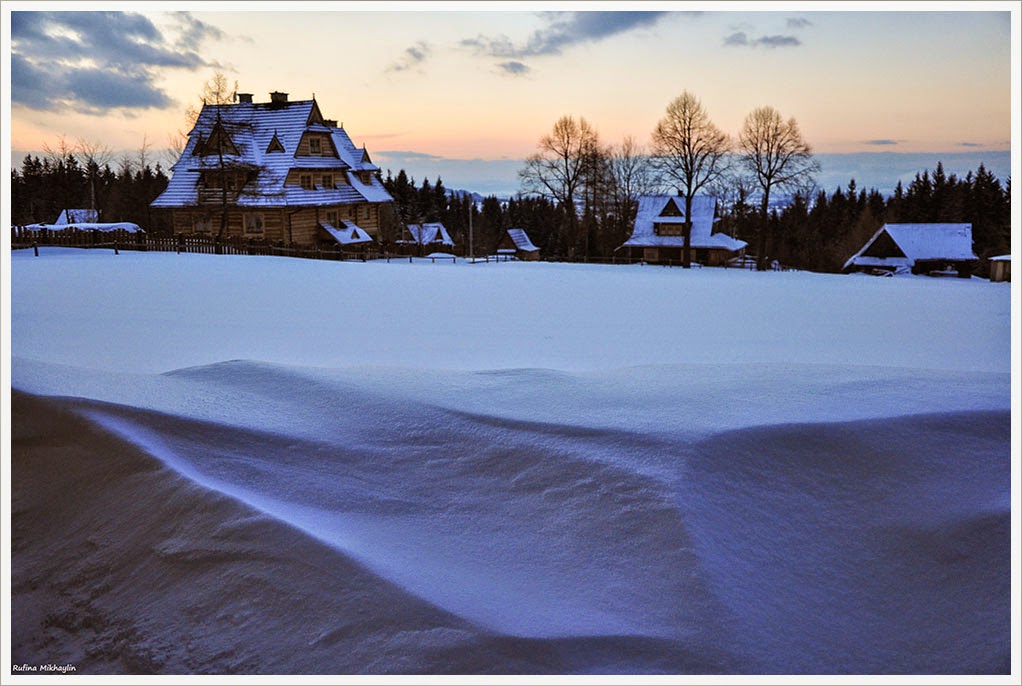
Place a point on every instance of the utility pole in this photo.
(471, 252)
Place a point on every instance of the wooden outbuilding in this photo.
(1000, 268)
(516, 243)
(920, 248)
(422, 239)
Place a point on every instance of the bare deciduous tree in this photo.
(631, 176)
(558, 170)
(777, 156)
(690, 152)
(95, 156)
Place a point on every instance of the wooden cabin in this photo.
(919, 248)
(274, 171)
(516, 243)
(658, 235)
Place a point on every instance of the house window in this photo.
(366, 177)
(306, 181)
(203, 225)
(315, 146)
(253, 224)
(668, 229)
(328, 181)
(331, 217)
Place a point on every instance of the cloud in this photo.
(798, 23)
(514, 68)
(778, 41)
(195, 32)
(563, 30)
(410, 154)
(881, 141)
(971, 145)
(741, 39)
(96, 61)
(736, 39)
(412, 57)
(571, 28)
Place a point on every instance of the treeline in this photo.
(815, 231)
(490, 217)
(821, 232)
(68, 179)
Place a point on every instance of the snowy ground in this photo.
(514, 468)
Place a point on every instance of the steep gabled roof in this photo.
(521, 240)
(670, 209)
(425, 234)
(896, 245)
(77, 216)
(252, 128)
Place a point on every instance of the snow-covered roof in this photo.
(77, 216)
(951, 242)
(88, 226)
(253, 128)
(670, 209)
(430, 232)
(1001, 258)
(349, 233)
(521, 240)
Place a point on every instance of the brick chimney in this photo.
(331, 123)
(245, 97)
(278, 98)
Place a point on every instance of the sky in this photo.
(463, 82)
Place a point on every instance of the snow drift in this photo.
(303, 494)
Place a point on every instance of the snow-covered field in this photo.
(317, 467)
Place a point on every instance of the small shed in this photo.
(516, 242)
(78, 217)
(1000, 268)
(922, 248)
(418, 238)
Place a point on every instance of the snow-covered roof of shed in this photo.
(952, 242)
(430, 232)
(129, 227)
(252, 127)
(670, 209)
(76, 216)
(1001, 258)
(521, 240)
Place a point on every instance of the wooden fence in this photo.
(120, 239)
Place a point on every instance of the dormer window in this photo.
(306, 181)
(275, 145)
(315, 146)
(328, 181)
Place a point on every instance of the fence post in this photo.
(115, 247)
(35, 248)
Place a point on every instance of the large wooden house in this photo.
(658, 235)
(276, 171)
